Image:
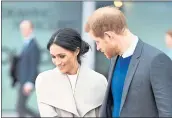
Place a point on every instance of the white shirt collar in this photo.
(28, 39)
(131, 49)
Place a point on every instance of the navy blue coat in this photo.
(27, 66)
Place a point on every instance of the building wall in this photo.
(149, 21)
(46, 17)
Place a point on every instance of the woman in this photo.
(70, 89)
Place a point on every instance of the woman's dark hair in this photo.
(69, 39)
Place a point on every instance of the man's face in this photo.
(106, 45)
(25, 29)
(168, 41)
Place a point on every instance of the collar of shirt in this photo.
(131, 49)
(28, 39)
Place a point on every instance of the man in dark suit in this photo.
(140, 78)
(27, 68)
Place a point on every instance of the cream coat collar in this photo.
(53, 88)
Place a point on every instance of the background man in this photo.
(27, 68)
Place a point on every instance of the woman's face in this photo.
(64, 59)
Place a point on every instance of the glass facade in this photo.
(46, 18)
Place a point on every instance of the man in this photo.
(140, 78)
(27, 68)
(168, 41)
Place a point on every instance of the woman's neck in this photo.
(74, 69)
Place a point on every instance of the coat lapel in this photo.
(26, 47)
(55, 90)
(90, 90)
(131, 70)
(112, 66)
(105, 107)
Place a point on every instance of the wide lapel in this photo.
(112, 66)
(110, 74)
(131, 70)
(55, 90)
(108, 90)
(26, 47)
(90, 90)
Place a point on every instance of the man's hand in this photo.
(27, 88)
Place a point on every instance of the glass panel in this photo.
(46, 18)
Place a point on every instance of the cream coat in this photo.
(56, 99)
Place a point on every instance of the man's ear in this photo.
(108, 35)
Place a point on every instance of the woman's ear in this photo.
(77, 51)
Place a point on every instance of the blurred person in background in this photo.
(71, 89)
(168, 41)
(140, 78)
(27, 68)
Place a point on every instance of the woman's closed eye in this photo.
(59, 56)
(53, 56)
(62, 56)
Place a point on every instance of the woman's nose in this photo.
(58, 62)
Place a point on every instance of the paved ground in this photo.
(9, 114)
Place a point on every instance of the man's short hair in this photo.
(28, 22)
(105, 19)
(169, 32)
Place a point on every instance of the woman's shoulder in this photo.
(45, 73)
(94, 74)
(45, 76)
(48, 72)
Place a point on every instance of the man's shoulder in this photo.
(34, 45)
(150, 54)
(92, 72)
(151, 51)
